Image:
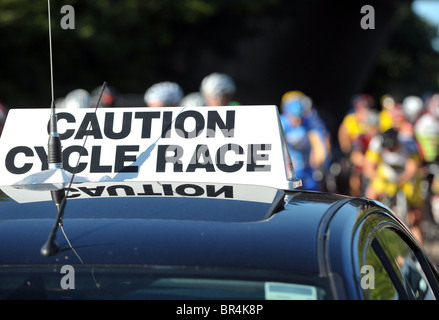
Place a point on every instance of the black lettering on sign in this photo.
(10, 160)
(181, 120)
(42, 154)
(95, 165)
(66, 155)
(122, 157)
(109, 126)
(201, 151)
(147, 122)
(214, 120)
(112, 190)
(189, 190)
(94, 130)
(93, 192)
(163, 158)
(167, 190)
(148, 191)
(166, 125)
(221, 154)
(71, 193)
(186, 190)
(70, 118)
(253, 156)
(90, 125)
(212, 192)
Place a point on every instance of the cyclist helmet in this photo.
(372, 118)
(194, 99)
(390, 138)
(217, 84)
(78, 98)
(166, 94)
(108, 96)
(362, 100)
(387, 101)
(289, 96)
(294, 108)
(412, 107)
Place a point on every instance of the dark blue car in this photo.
(133, 241)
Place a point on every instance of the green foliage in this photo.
(129, 42)
(408, 64)
(133, 43)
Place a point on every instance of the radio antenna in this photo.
(54, 154)
(59, 197)
(50, 57)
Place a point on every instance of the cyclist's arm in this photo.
(343, 138)
(371, 160)
(318, 150)
(372, 157)
(411, 168)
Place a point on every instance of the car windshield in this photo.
(150, 283)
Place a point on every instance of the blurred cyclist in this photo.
(404, 120)
(388, 105)
(163, 94)
(193, 99)
(307, 148)
(109, 97)
(354, 123)
(352, 127)
(310, 115)
(218, 89)
(312, 122)
(412, 107)
(357, 181)
(427, 130)
(286, 99)
(392, 165)
(427, 134)
(78, 98)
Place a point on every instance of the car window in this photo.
(405, 264)
(376, 282)
(144, 283)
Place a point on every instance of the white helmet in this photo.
(169, 93)
(194, 99)
(372, 118)
(217, 84)
(412, 107)
(78, 98)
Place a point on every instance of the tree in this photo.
(129, 43)
(408, 64)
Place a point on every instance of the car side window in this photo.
(405, 264)
(377, 285)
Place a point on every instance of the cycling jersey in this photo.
(389, 165)
(353, 126)
(427, 135)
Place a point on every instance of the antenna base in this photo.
(50, 248)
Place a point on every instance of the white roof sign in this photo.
(228, 144)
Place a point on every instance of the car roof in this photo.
(212, 232)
